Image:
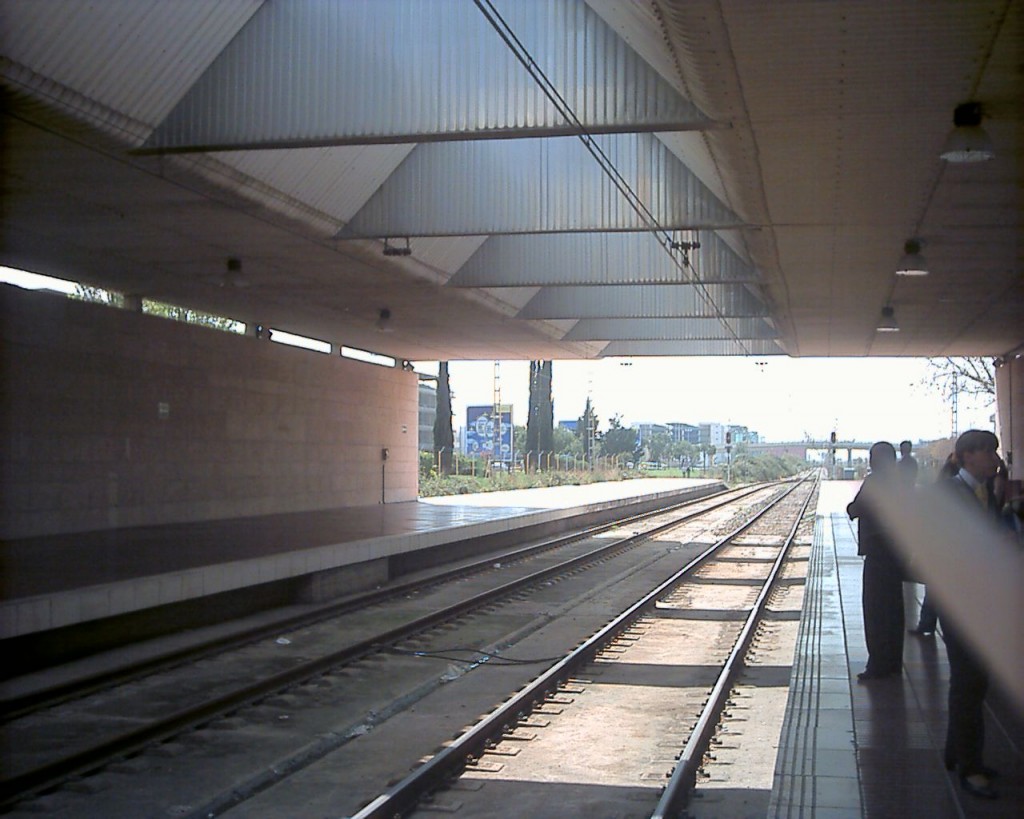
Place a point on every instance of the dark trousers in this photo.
(968, 684)
(929, 616)
(882, 598)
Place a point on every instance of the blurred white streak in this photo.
(974, 569)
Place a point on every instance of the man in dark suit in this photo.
(907, 464)
(882, 586)
(976, 451)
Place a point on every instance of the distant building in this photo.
(645, 430)
(742, 435)
(428, 413)
(684, 432)
(569, 425)
(712, 434)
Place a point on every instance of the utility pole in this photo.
(956, 409)
(590, 424)
(496, 416)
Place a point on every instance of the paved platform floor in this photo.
(52, 581)
(874, 749)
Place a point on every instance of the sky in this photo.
(782, 399)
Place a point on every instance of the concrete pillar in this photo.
(1010, 412)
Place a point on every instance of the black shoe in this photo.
(980, 787)
(866, 675)
(922, 632)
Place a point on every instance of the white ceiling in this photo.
(799, 138)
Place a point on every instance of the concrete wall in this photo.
(111, 418)
(1010, 413)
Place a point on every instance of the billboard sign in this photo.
(480, 432)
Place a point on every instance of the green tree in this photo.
(587, 429)
(540, 418)
(519, 436)
(189, 316)
(547, 414)
(565, 441)
(620, 440)
(444, 438)
(659, 446)
(684, 453)
(97, 295)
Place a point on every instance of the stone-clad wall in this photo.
(110, 418)
(1010, 413)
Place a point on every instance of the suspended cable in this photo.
(666, 240)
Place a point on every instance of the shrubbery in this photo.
(755, 468)
(745, 469)
(433, 485)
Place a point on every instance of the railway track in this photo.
(587, 746)
(325, 674)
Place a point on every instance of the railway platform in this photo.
(846, 749)
(874, 749)
(61, 581)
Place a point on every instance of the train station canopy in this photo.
(446, 179)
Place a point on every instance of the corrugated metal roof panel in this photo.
(337, 180)
(643, 301)
(138, 57)
(598, 258)
(535, 186)
(447, 253)
(673, 348)
(328, 73)
(669, 329)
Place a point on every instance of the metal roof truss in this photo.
(600, 258)
(644, 301)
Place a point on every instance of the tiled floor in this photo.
(62, 580)
(105, 555)
(874, 749)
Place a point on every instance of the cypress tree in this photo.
(444, 438)
(546, 435)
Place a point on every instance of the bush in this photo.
(434, 485)
(755, 468)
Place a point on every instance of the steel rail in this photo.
(15, 707)
(52, 773)
(676, 795)
(450, 761)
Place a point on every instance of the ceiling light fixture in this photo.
(391, 250)
(887, 324)
(912, 263)
(967, 142)
(233, 276)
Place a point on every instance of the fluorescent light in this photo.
(887, 324)
(968, 141)
(912, 263)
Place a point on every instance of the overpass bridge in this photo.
(794, 446)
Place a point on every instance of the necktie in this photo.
(981, 493)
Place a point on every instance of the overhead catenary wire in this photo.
(666, 240)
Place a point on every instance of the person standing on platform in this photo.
(968, 679)
(907, 464)
(882, 587)
(928, 618)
